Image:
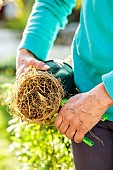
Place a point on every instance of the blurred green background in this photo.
(22, 146)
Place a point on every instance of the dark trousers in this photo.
(97, 157)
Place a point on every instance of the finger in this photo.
(58, 120)
(67, 113)
(20, 71)
(66, 118)
(72, 129)
(31, 62)
(70, 132)
(78, 137)
(64, 126)
(39, 65)
(82, 130)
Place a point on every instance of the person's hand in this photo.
(82, 112)
(25, 59)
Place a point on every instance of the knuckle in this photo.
(62, 110)
(66, 118)
(41, 64)
(83, 129)
(75, 123)
(30, 62)
(21, 60)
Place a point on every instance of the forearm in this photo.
(24, 52)
(44, 24)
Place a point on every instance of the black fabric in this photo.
(98, 157)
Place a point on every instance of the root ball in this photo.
(37, 97)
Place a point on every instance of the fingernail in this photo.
(46, 66)
(76, 141)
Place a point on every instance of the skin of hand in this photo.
(25, 59)
(82, 112)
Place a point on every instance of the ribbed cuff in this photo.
(108, 83)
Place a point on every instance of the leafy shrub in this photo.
(37, 147)
(40, 147)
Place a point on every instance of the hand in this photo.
(26, 59)
(82, 112)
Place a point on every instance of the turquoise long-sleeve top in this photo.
(92, 47)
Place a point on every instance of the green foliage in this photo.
(23, 10)
(36, 147)
(7, 160)
(18, 23)
(20, 20)
(40, 147)
(5, 91)
(7, 73)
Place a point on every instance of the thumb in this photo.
(39, 65)
(58, 120)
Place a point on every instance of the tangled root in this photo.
(36, 97)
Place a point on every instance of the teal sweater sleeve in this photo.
(108, 83)
(44, 23)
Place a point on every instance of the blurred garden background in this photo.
(23, 146)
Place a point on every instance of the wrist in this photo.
(105, 95)
(24, 52)
(100, 94)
